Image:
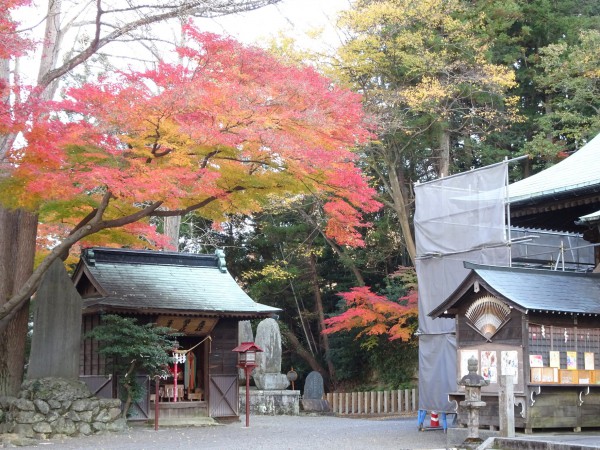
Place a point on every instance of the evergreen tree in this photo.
(132, 348)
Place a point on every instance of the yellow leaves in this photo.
(499, 76)
(270, 272)
(428, 93)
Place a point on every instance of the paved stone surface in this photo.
(270, 432)
(295, 432)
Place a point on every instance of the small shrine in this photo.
(193, 294)
(540, 326)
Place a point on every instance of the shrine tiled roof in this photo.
(532, 290)
(578, 171)
(151, 281)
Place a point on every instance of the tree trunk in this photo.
(51, 47)
(172, 224)
(299, 350)
(319, 305)
(345, 259)
(444, 156)
(400, 206)
(18, 229)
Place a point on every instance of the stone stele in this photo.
(312, 399)
(267, 374)
(56, 327)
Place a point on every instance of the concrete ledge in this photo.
(541, 444)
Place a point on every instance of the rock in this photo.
(117, 425)
(42, 427)
(81, 405)
(99, 426)
(108, 403)
(72, 415)
(65, 405)
(24, 405)
(42, 406)
(114, 413)
(65, 426)
(102, 416)
(28, 417)
(54, 404)
(86, 416)
(84, 428)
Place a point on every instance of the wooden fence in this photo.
(374, 402)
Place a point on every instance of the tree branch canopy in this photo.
(220, 112)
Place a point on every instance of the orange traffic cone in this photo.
(435, 421)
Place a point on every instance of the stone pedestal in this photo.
(271, 402)
(271, 381)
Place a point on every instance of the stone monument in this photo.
(271, 396)
(312, 400)
(267, 375)
(55, 343)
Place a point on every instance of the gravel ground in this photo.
(270, 432)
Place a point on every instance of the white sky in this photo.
(291, 17)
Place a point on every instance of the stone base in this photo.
(270, 402)
(271, 381)
(315, 405)
(455, 437)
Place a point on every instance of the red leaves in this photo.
(375, 314)
(223, 131)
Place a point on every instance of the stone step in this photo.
(186, 422)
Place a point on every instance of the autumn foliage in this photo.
(374, 314)
(220, 132)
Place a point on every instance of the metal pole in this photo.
(156, 393)
(247, 369)
(175, 383)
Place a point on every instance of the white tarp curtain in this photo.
(458, 218)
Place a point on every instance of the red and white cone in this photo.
(435, 421)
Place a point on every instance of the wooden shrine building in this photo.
(191, 293)
(541, 326)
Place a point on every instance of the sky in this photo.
(292, 17)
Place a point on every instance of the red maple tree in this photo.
(221, 132)
(375, 314)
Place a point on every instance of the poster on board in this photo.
(510, 364)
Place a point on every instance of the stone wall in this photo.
(57, 407)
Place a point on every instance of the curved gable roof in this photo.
(578, 171)
(146, 281)
(532, 289)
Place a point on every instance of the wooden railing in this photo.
(374, 402)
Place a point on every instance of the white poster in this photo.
(510, 364)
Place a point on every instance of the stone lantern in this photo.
(472, 383)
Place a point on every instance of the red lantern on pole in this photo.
(247, 360)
